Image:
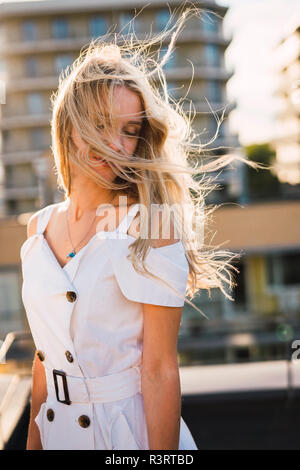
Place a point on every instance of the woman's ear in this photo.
(77, 140)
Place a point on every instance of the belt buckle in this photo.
(66, 391)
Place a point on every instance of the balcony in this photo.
(29, 192)
(226, 142)
(203, 71)
(43, 46)
(76, 43)
(203, 108)
(32, 83)
(27, 120)
(13, 158)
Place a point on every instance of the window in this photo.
(61, 61)
(20, 175)
(222, 130)
(126, 23)
(162, 18)
(210, 23)
(6, 136)
(213, 127)
(35, 103)
(214, 91)
(171, 62)
(40, 138)
(173, 89)
(60, 28)
(31, 66)
(98, 26)
(283, 269)
(25, 205)
(29, 31)
(239, 291)
(10, 308)
(212, 55)
(11, 205)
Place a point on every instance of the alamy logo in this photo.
(295, 355)
(167, 214)
(2, 355)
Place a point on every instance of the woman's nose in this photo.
(116, 144)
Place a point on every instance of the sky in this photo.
(256, 26)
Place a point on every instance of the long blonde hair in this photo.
(167, 158)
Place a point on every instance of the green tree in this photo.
(261, 183)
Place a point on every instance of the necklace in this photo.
(73, 252)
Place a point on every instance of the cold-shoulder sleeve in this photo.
(168, 262)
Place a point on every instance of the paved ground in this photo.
(234, 406)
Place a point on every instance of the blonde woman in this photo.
(103, 293)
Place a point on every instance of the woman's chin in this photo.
(106, 172)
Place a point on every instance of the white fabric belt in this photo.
(98, 389)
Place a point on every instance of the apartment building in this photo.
(38, 39)
(263, 319)
(287, 141)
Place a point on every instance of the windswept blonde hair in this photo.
(166, 159)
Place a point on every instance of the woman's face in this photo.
(128, 121)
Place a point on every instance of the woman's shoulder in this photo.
(32, 223)
(168, 262)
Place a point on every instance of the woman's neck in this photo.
(78, 206)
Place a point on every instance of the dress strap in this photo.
(125, 223)
(43, 218)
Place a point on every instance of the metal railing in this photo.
(16, 362)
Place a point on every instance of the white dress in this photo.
(87, 324)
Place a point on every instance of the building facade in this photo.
(287, 141)
(263, 319)
(39, 39)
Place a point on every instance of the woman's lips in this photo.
(101, 160)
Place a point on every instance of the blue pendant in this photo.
(72, 254)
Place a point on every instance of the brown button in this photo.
(84, 421)
(50, 414)
(69, 356)
(71, 296)
(40, 355)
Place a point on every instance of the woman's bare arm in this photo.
(38, 396)
(160, 372)
(39, 385)
(160, 376)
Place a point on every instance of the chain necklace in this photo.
(73, 252)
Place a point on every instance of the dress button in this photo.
(40, 355)
(50, 414)
(84, 421)
(69, 356)
(71, 296)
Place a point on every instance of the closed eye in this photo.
(134, 134)
(100, 127)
